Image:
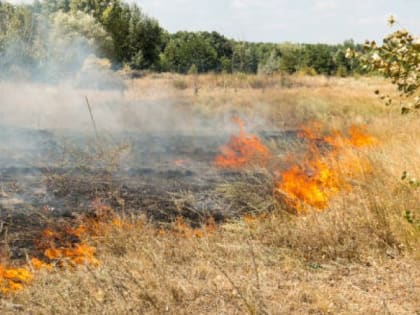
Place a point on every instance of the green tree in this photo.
(17, 27)
(80, 28)
(137, 38)
(223, 48)
(186, 49)
(320, 57)
(144, 39)
(291, 58)
(244, 58)
(51, 6)
(115, 19)
(95, 8)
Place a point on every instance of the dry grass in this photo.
(358, 257)
(277, 104)
(248, 266)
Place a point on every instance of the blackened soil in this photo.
(162, 176)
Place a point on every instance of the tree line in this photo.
(59, 33)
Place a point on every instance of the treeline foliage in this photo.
(67, 30)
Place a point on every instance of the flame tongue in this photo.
(360, 138)
(13, 279)
(242, 150)
(312, 185)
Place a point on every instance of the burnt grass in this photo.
(47, 178)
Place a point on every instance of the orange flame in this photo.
(358, 138)
(66, 246)
(316, 179)
(242, 150)
(179, 162)
(13, 279)
(321, 175)
(312, 184)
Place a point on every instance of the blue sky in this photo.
(327, 21)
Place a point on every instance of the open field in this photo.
(175, 226)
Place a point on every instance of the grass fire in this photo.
(99, 217)
(105, 215)
(327, 165)
(153, 171)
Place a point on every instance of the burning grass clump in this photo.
(242, 150)
(327, 168)
(64, 245)
(68, 244)
(363, 225)
(323, 172)
(366, 223)
(333, 186)
(13, 279)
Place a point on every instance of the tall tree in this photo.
(137, 38)
(186, 49)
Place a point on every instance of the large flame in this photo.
(242, 150)
(323, 172)
(312, 184)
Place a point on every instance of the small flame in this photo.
(242, 150)
(38, 264)
(13, 279)
(179, 162)
(357, 138)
